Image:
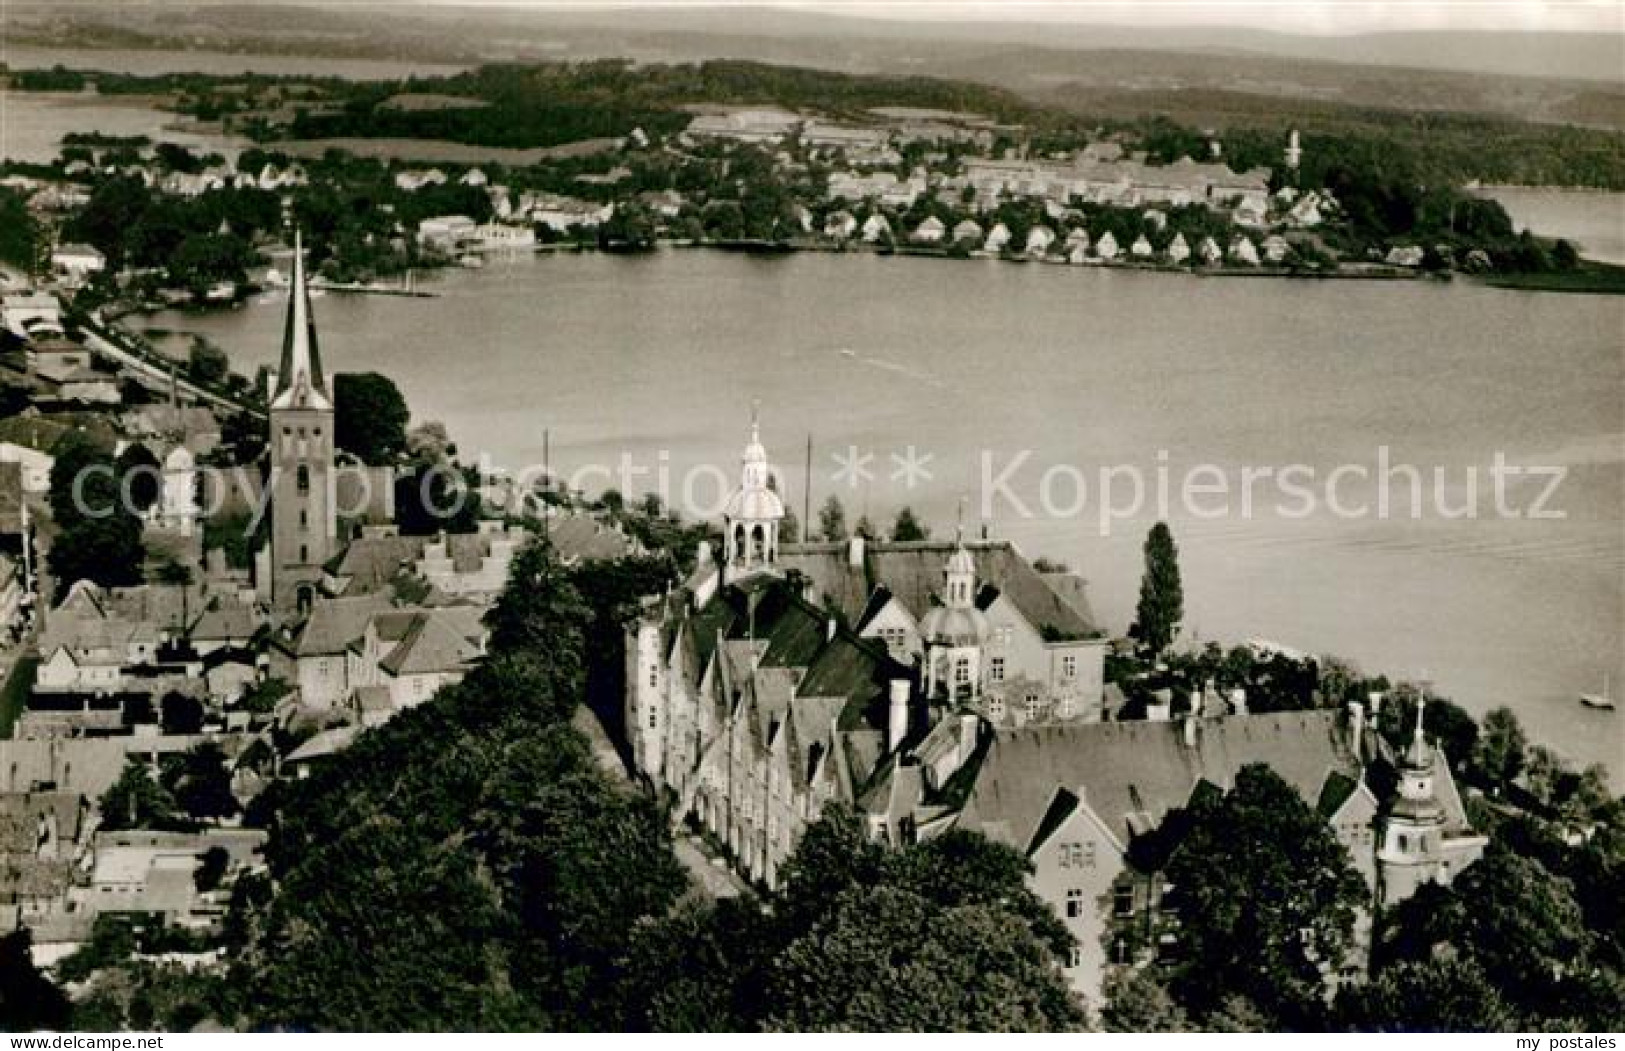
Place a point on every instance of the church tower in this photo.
(750, 523)
(1413, 831)
(304, 530)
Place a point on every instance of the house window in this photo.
(995, 709)
(1123, 901)
(1069, 708)
(654, 677)
(1077, 855)
(1074, 956)
(1074, 903)
(1069, 667)
(995, 669)
(961, 671)
(654, 717)
(1404, 841)
(302, 478)
(1032, 706)
(1120, 951)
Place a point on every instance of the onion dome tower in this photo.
(955, 631)
(750, 522)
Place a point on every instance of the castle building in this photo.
(304, 529)
(933, 687)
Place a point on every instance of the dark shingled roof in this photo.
(790, 633)
(1133, 773)
(913, 573)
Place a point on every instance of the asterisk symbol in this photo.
(853, 468)
(912, 468)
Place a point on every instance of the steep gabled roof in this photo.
(370, 563)
(431, 645)
(1132, 774)
(912, 572)
(335, 623)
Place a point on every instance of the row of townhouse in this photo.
(783, 675)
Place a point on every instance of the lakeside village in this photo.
(171, 681)
(143, 225)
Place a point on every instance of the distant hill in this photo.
(1111, 71)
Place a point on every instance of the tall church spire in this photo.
(299, 381)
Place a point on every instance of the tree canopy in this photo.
(1162, 599)
(1266, 898)
(943, 935)
(369, 417)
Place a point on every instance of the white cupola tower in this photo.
(1413, 830)
(955, 631)
(750, 524)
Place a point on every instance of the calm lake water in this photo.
(32, 124)
(978, 364)
(1593, 221)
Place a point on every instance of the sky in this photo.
(1330, 17)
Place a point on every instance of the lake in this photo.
(1593, 221)
(1039, 376)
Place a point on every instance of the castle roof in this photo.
(1132, 774)
(912, 572)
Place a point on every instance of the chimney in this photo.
(1190, 730)
(897, 721)
(1375, 700)
(702, 554)
(854, 552)
(830, 627)
(1238, 701)
(1357, 725)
